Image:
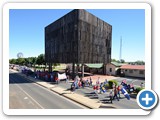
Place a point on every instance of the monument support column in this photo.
(104, 69)
(73, 70)
(82, 68)
(49, 67)
(77, 68)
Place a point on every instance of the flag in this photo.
(103, 89)
(62, 76)
(125, 93)
(124, 81)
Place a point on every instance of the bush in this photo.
(138, 89)
(106, 86)
(110, 82)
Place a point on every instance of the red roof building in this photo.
(133, 67)
(133, 70)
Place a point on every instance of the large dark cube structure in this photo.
(78, 37)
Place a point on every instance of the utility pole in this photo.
(120, 53)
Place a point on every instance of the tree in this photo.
(140, 62)
(12, 61)
(118, 61)
(20, 61)
(26, 61)
(122, 61)
(114, 60)
(34, 60)
(40, 59)
(31, 60)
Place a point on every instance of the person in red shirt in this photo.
(118, 91)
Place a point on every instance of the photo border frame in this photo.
(103, 5)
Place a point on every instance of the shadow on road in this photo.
(91, 95)
(15, 78)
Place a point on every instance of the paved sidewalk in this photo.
(102, 78)
(90, 103)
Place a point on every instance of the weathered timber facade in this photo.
(78, 37)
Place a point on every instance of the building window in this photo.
(141, 72)
(130, 71)
(110, 70)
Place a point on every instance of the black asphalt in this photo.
(39, 96)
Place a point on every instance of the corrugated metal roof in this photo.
(94, 65)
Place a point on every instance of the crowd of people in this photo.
(98, 88)
(44, 75)
(81, 83)
(129, 87)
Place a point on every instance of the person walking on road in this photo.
(95, 90)
(118, 91)
(101, 88)
(87, 82)
(73, 87)
(67, 79)
(111, 95)
(115, 93)
(98, 82)
(83, 83)
(141, 85)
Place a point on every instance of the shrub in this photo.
(107, 86)
(138, 89)
(110, 82)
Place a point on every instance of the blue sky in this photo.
(26, 31)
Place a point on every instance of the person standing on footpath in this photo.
(90, 82)
(52, 77)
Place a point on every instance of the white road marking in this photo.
(29, 95)
(26, 98)
(84, 107)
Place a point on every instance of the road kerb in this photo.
(73, 96)
(68, 94)
(77, 98)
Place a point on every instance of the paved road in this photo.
(26, 95)
(136, 82)
(122, 104)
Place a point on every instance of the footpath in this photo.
(79, 98)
